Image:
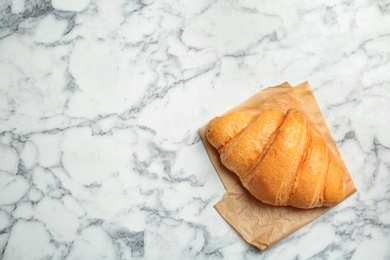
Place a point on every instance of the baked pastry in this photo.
(279, 157)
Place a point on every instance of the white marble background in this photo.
(100, 102)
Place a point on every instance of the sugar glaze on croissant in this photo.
(279, 158)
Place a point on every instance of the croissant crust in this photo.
(279, 158)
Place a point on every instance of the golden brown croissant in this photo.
(278, 157)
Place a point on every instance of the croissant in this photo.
(279, 158)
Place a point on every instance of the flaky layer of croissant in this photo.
(279, 158)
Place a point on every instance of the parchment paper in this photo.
(260, 224)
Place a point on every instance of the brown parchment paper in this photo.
(260, 224)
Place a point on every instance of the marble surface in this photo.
(100, 103)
